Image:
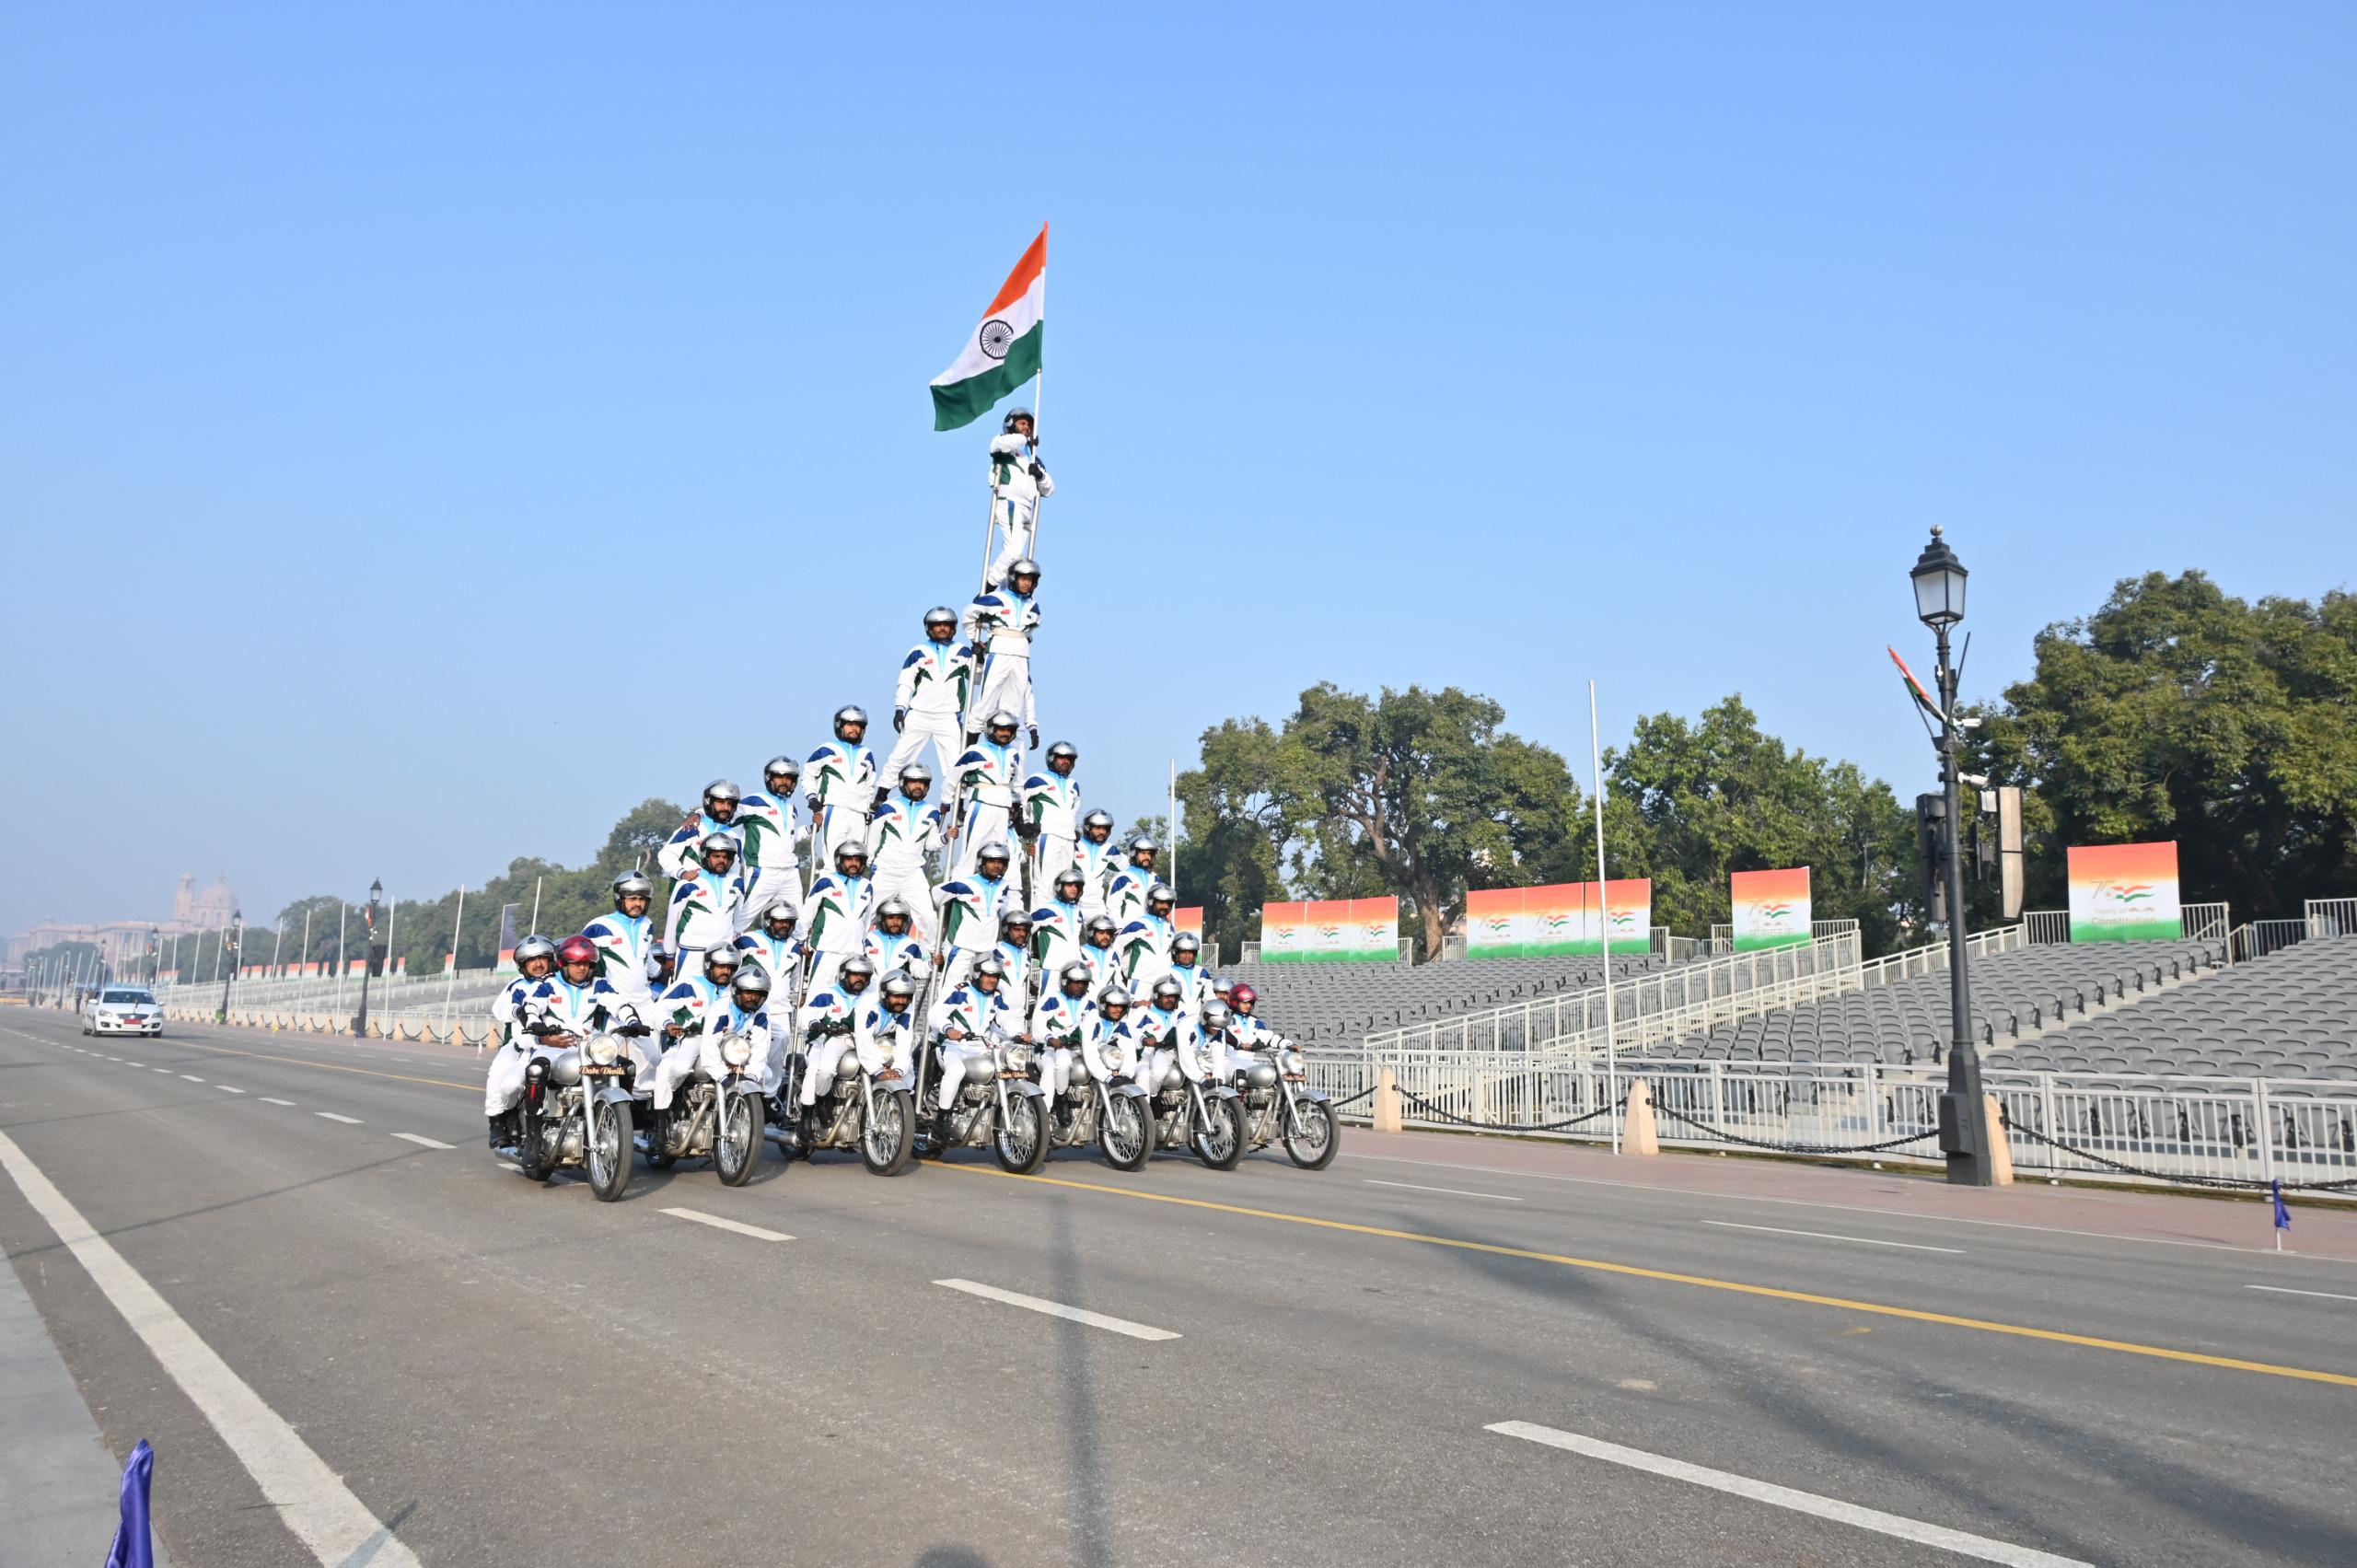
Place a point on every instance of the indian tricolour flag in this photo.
(1002, 351)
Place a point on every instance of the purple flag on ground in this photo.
(134, 1547)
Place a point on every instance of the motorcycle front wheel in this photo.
(888, 1141)
(1218, 1140)
(1021, 1140)
(1311, 1135)
(1127, 1136)
(736, 1140)
(610, 1149)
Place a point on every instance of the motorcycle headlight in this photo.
(1292, 1061)
(1015, 1056)
(737, 1050)
(605, 1050)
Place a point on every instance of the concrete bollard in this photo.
(1386, 1101)
(2000, 1148)
(1637, 1136)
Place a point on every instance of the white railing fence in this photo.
(2163, 1129)
(2333, 917)
(2196, 923)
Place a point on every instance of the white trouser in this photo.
(679, 1060)
(1157, 1067)
(1019, 520)
(986, 822)
(961, 963)
(908, 883)
(1007, 683)
(503, 1082)
(946, 731)
(826, 1056)
(822, 971)
(776, 884)
(1052, 853)
(1055, 1071)
(1092, 902)
(955, 1053)
(773, 1065)
(836, 824)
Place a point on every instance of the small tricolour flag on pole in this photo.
(1004, 351)
(2282, 1216)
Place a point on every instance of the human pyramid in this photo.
(921, 926)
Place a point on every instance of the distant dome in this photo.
(217, 898)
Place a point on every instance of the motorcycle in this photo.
(999, 1104)
(576, 1111)
(861, 1110)
(1199, 1113)
(717, 1111)
(1279, 1103)
(1115, 1115)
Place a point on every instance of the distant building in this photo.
(125, 942)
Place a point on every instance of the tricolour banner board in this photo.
(1189, 919)
(1562, 917)
(1772, 909)
(2124, 893)
(1343, 931)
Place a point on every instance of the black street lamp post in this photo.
(229, 971)
(367, 957)
(1939, 604)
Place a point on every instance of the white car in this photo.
(122, 1010)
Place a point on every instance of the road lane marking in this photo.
(1452, 1191)
(328, 1066)
(740, 1226)
(1809, 1502)
(297, 1484)
(331, 1116)
(2286, 1290)
(166, 1071)
(267, 1100)
(428, 1142)
(1829, 1235)
(1738, 1287)
(191, 1077)
(1058, 1309)
(228, 1090)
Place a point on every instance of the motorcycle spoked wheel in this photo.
(1127, 1133)
(888, 1143)
(1218, 1140)
(608, 1153)
(1021, 1140)
(1313, 1136)
(736, 1142)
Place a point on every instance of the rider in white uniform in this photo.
(689, 1011)
(1099, 858)
(1058, 1024)
(503, 1082)
(1018, 483)
(708, 902)
(971, 907)
(1048, 813)
(1186, 967)
(1147, 940)
(1108, 1051)
(843, 1019)
(770, 862)
(1056, 925)
(680, 854)
(1125, 890)
(836, 912)
(929, 702)
(1001, 623)
(773, 947)
(962, 1021)
(986, 775)
(1166, 1036)
(1096, 950)
(906, 830)
(625, 941)
(840, 776)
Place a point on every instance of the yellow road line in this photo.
(2054, 1336)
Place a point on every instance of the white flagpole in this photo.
(450, 979)
(535, 929)
(303, 957)
(392, 908)
(341, 910)
(1170, 824)
(1604, 913)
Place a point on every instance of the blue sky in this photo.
(537, 399)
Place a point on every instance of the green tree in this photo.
(1241, 811)
(2177, 710)
(1709, 797)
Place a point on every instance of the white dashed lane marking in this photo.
(191, 1077)
(267, 1100)
(1058, 1309)
(2287, 1290)
(331, 1116)
(428, 1142)
(228, 1090)
(1809, 1502)
(1829, 1235)
(1452, 1191)
(740, 1226)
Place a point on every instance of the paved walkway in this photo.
(59, 1481)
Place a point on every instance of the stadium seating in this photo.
(2290, 1014)
(1321, 1004)
(2019, 995)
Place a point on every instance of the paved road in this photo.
(506, 1373)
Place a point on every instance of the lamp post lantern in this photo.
(368, 956)
(1939, 580)
(236, 935)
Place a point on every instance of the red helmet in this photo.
(1241, 996)
(576, 951)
